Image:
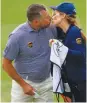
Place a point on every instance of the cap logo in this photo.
(74, 10)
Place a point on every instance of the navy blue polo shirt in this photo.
(30, 51)
(76, 58)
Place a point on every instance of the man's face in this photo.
(45, 19)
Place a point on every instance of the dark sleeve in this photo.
(74, 54)
(79, 51)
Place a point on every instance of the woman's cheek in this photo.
(54, 22)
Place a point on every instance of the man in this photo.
(28, 46)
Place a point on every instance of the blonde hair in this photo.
(72, 20)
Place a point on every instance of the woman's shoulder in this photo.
(75, 28)
(74, 31)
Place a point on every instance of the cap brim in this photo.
(53, 7)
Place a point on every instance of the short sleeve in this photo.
(12, 48)
(75, 44)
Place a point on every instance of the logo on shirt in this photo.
(30, 44)
(79, 41)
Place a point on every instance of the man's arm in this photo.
(10, 70)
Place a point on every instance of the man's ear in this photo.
(36, 22)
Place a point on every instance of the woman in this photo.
(64, 16)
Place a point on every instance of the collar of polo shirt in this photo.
(30, 29)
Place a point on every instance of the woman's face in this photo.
(57, 17)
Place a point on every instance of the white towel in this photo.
(58, 55)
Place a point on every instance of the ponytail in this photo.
(84, 37)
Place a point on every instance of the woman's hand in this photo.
(50, 42)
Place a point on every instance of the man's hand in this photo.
(28, 89)
(11, 71)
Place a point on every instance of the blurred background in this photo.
(13, 13)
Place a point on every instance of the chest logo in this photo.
(30, 44)
(79, 41)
